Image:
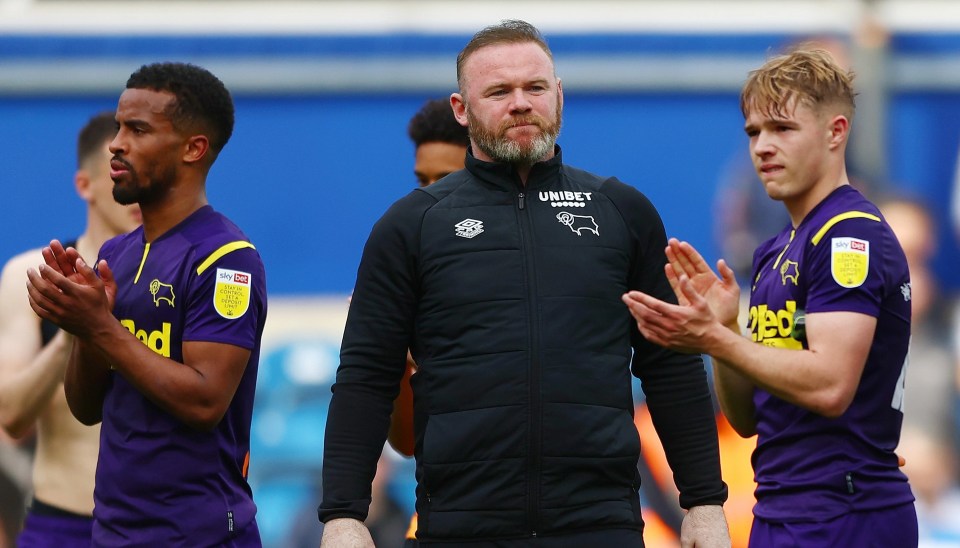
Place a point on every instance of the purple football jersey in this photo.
(842, 257)
(160, 482)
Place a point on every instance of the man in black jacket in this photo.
(504, 279)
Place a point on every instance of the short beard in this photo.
(501, 149)
(135, 193)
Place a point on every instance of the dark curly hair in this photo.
(201, 98)
(435, 122)
(99, 128)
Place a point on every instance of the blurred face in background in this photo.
(914, 229)
(437, 159)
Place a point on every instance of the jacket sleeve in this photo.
(372, 359)
(675, 385)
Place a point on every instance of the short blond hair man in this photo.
(820, 376)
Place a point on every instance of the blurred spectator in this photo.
(955, 312)
(932, 468)
(928, 438)
(929, 396)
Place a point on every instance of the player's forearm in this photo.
(802, 377)
(85, 382)
(26, 393)
(197, 391)
(735, 394)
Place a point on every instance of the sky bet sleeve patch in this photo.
(231, 297)
(849, 261)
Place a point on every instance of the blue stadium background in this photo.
(309, 170)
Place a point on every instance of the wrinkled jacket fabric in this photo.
(509, 298)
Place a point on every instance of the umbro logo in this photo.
(468, 228)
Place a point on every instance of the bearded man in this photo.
(504, 281)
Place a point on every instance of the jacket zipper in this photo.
(533, 466)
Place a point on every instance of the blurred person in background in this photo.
(929, 394)
(929, 439)
(931, 465)
(439, 142)
(33, 359)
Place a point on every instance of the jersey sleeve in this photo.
(228, 297)
(846, 270)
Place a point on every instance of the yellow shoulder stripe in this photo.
(224, 249)
(841, 217)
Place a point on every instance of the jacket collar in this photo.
(505, 176)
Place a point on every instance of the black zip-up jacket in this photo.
(509, 298)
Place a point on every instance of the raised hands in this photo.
(721, 292)
(66, 291)
(707, 303)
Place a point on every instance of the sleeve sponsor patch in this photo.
(231, 296)
(849, 261)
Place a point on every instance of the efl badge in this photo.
(849, 261)
(231, 297)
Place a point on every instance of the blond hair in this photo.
(806, 76)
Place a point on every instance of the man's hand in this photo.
(348, 533)
(71, 295)
(705, 527)
(688, 328)
(721, 293)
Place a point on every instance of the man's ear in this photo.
(459, 107)
(196, 148)
(839, 130)
(83, 184)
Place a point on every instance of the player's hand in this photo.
(109, 283)
(346, 533)
(722, 292)
(77, 302)
(62, 260)
(690, 328)
(705, 527)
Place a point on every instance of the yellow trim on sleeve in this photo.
(146, 249)
(224, 249)
(841, 217)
